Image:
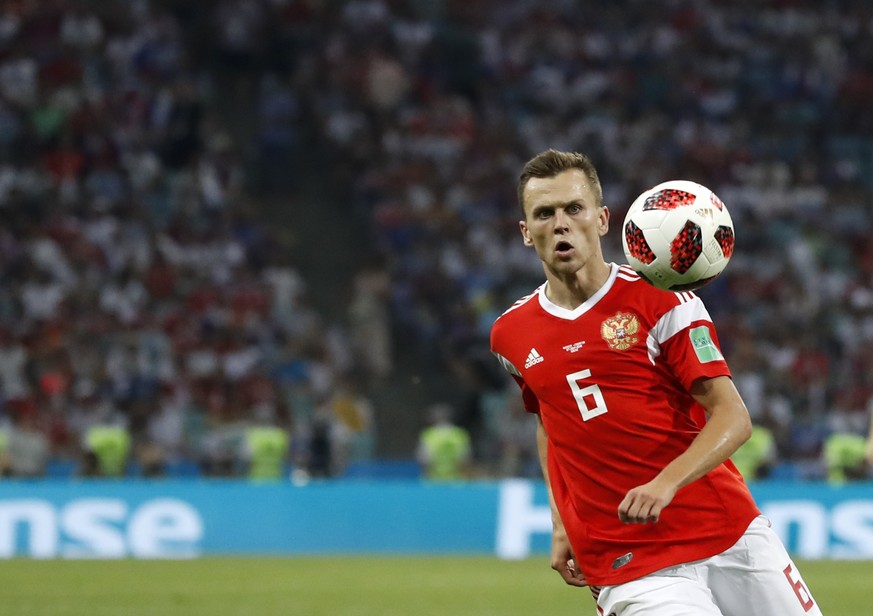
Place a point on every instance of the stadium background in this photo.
(301, 213)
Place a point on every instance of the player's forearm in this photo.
(542, 454)
(727, 429)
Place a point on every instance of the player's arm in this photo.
(728, 427)
(562, 553)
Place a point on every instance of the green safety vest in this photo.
(269, 447)
(111, 445)
(751, 454)
(447, 447)
(843, 452)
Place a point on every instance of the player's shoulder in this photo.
(521, 302)
(516, 313)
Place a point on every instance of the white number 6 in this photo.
(582, 395)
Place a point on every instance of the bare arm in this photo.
(728, 427)
(562, 553)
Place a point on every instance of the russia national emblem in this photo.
(620, 331)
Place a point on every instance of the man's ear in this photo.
(525, 233)
(603, 221)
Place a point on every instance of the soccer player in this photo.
(637, 417)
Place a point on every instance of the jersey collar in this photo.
(570, 315)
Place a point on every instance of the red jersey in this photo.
(610, 380)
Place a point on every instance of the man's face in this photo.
(563, 221)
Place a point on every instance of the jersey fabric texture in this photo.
(610, 380)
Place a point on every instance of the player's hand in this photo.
(562, 559)
(643, 504)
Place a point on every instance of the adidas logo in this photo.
(533, 358)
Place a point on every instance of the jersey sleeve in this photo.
(531, 403)
(686, 340)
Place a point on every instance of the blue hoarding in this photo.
(186, 519)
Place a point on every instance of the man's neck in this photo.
(572, 291)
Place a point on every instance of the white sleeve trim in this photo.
(507, 365)
(673, 321)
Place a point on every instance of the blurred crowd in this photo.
(142, 287)
(148, 312)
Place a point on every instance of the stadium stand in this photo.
(219, 214)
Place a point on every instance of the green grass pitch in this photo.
(340, 586)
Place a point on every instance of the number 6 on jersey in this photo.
(581, 394)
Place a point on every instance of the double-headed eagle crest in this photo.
(620, 331)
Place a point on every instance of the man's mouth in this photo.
(563, 247)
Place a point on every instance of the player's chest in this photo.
(556, 353)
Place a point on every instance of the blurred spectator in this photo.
(265, 452)
(757, 456)
(369, 322)
(13, 363)
(166, 434)
(845, 458)
(353, 433)
(109, 447)
(225, 427)
(444, 448)
(319, 457)
(26, 449)
(149, 460)
(518, 455)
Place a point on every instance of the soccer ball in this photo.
(678, 235)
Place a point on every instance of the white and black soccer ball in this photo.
(678, 235)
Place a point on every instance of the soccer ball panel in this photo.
(678, 235)
(724, 235)
(685, 247)
(668, 199)
(637, 246)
